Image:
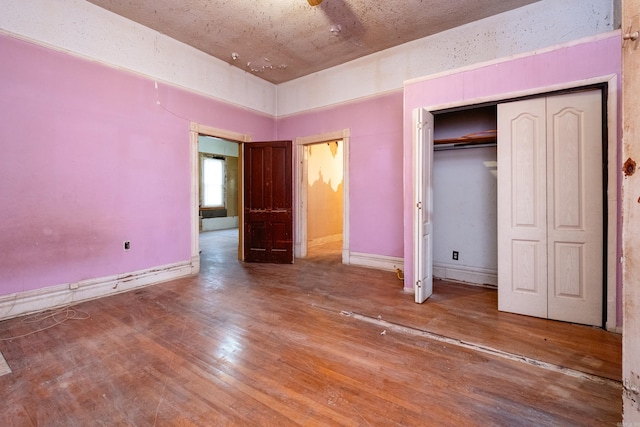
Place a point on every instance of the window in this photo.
(213, 182)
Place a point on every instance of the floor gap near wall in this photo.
(394, 327)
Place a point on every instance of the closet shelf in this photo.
(484, 137)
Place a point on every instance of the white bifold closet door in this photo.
(550, 207)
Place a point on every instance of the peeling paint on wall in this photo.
(325, 190)
(629, 167)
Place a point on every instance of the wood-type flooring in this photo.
(315, 343)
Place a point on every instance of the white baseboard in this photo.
(21, 303)
(381, 262)
(222, 223)
(478, 275)
(411, 290)
(614, 328)
(195, 265)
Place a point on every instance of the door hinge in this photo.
(419, 205)
(419, 283)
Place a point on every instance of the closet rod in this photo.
(446, 147)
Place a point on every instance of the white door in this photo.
(522, 210)
(550, 207)
(575, 207)
(422, 212)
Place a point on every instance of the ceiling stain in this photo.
(296, 38)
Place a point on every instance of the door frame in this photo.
(301, 165)
(195, 130)
(612, 194)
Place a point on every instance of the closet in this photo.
(465, 195)
(550, 207)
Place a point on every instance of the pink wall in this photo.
(569, 64)
(88, 159)
(375, 178)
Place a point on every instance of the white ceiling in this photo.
(280, 40)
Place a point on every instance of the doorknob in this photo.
(631, 36)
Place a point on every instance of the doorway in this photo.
(324, 196)
(218, 179)
(322, 193)
(196, 132)
(610, 153)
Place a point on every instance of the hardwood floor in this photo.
(312, 343)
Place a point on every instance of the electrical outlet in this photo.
(455, 255)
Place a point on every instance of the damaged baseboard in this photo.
(18, 304)
(481, 276)
(4, 367)
(380, 262)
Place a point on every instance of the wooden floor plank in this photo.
(250, 344)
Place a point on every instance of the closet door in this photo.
(550, 207)
(423, 202)
(575, 207)
(522, 208)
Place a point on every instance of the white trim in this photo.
(194, 199)
(17, 304)
(300, 196)
(323, 137)
(613, 172)
(195, 265)
(380, 262)
(472, 275)
(612, 168)
(219, 133)
(506, 96)
(345, 195)
(301, 164)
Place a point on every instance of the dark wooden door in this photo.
(268, 200)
